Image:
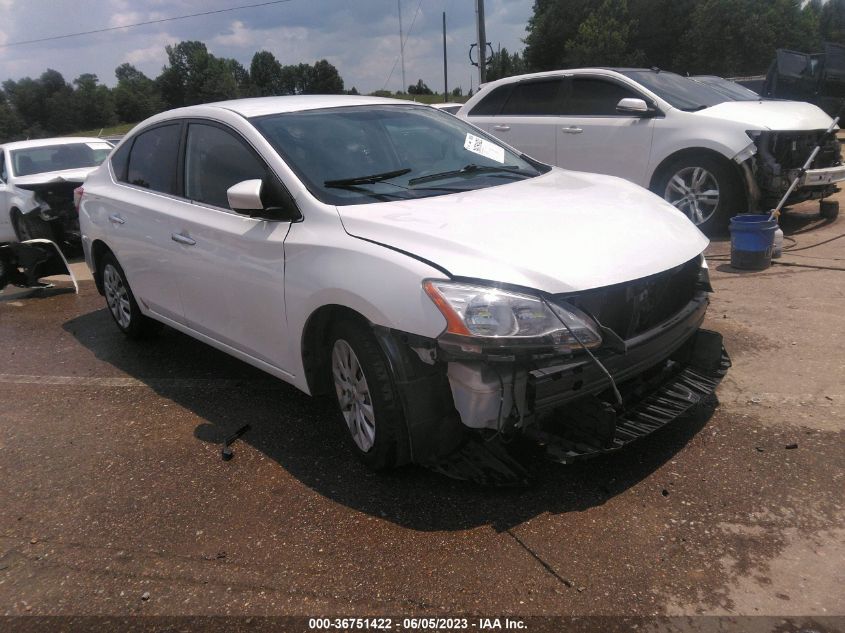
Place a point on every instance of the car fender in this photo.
(327, 267)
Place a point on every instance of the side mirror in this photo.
(636, 107)
(245, 197)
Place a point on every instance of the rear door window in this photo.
(153, 159)
(492, 104)
(535, 98)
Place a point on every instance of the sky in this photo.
(360, 37)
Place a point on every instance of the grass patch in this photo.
(114, 130)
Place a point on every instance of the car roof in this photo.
(44, 142)
(260, 106)
(566, 71)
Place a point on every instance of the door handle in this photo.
(182, 239)
(114, 218)
(501, 128)
(571, 130)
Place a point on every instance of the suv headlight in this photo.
(504, 318)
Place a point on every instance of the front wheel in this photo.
(121, 302)
(30, 227)
(704, 188)
(366, 397)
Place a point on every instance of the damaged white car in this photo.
(710, 152)
(442, 287)
(37, 180)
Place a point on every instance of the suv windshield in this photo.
(37, 160)
(680, 92)
(361, 154)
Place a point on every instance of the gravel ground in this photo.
(115, 500)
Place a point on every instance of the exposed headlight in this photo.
(502, 317)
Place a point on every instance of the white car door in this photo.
(592, 136)
(526, 119)
(231, 267)
(139, 225)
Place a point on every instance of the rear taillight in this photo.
(77, 197)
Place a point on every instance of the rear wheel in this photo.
(30, 227)
(121, 302)
(704, 188)
(366, 397)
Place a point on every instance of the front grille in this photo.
(792, 149)
(634, 307)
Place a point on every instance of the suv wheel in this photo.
(367, 400)
(704, 189)
(121, 302)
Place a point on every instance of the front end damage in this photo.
(52, 207)
(465, 404)
(778, 157)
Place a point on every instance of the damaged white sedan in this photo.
(441, 287)
(37, 181)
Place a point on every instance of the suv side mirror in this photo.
(245, 198)
(636, 107)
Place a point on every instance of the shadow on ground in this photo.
(304, 436)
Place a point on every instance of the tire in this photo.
(30, 227)
(368, 403)
(684, 183)
(121, 302)
(829, 209)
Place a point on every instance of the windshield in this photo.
(731, 89)
(37, 160)
(362, 154)
(679, 92)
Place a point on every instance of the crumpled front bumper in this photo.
(822, 176)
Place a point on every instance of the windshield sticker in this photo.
(100, 145)
(487, 149)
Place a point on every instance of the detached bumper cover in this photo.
(645, 413)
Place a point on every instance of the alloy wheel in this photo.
(117, 296)
(695, 192)
(353, 395)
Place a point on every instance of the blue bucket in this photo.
(752, 238)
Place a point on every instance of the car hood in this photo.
(561, 232)
(54, 177)
(770, 115)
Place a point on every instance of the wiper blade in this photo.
(466, 170)
(365, 180)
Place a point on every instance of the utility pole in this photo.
(482, 41)
(401, 46)
(445, 70)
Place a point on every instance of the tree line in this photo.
(50, 106)
(718, 37)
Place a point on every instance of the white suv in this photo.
(440, 286)
(710, 153)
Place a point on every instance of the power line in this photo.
(159, 21)
(402, 45)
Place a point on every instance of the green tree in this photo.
(93, 103)
(136, 96)
(603, 38)
(420, 88)
(831, 18)
(552, 25)
(265, 72)
(503, 64)
(324, 79)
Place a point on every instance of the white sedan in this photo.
(711, 153)
(439, 285)
(37, 179)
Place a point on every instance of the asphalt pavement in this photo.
(115, 499)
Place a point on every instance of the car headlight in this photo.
(506, 318)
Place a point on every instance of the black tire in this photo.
(390, 436)
(829, 209)
(731, 198)
(123, 308)
(30, 227)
